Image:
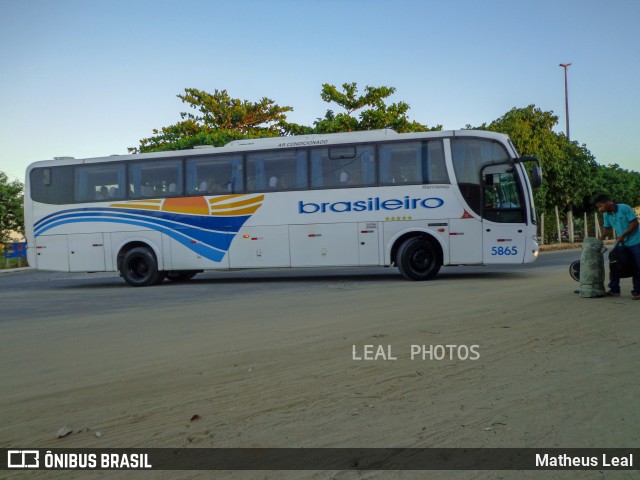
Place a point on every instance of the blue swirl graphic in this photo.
(208, 236)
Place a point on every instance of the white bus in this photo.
(417, 201)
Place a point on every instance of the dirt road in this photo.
(275, 367)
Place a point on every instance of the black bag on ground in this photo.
(621, 262)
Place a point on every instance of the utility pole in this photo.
(566, 97)
(566, 109)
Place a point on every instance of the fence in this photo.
(565, 228)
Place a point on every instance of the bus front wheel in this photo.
(139, 268)
(418, 259)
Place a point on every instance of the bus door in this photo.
(368, 242)
(503, 213)
(465, 240)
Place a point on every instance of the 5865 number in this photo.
(504, 250)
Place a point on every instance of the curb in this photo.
(553, 247)
(14, 270)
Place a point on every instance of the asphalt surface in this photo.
(35, 294)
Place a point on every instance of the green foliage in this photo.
(374, 113)
(529, 128)
(621, 184)
(571, 175)
(225, 113)
(11, 209)
(219, 120)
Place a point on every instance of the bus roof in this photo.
(300, 141)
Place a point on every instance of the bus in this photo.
(416, 201)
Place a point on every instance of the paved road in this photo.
(32, 294)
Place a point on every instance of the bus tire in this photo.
(139, 268)
(180, 275)
(418, 259)
(574, 270)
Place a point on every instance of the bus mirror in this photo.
(536, 176)
(536, 171)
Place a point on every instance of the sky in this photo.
(91, 78)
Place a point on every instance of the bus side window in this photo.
(434, 167)
(401, 163)
(501, 199)
(337, 167)
(152, 178)
(236, 181)
(285, 170)
(214, 175)
(469, 157)
(94, 182)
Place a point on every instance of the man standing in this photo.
(623, 220)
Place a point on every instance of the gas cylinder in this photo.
(592, 268)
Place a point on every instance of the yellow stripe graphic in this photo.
(222, 198)
(241, 203)
(140, 206)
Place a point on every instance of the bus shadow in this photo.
(482, 275)
(391, 276)
(261, 278)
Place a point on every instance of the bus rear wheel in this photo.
(139, 268)
(418, 259)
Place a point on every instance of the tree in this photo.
(622, 185)
(11, 210)
(571, 175)
(220, 119)
(570, 170)
(374, 113)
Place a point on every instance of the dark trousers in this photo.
(614, 283)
